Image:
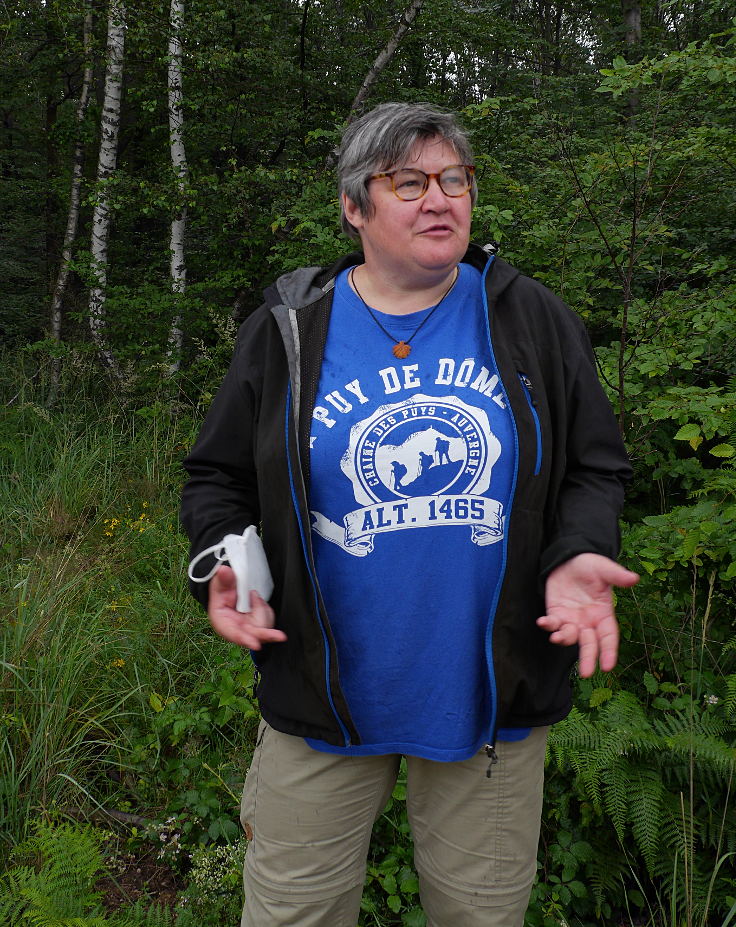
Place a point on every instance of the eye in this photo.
(454, 179)
(408, 180)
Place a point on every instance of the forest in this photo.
(160, 164)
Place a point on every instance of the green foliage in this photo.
(214, 894)
(391, 894)
(189, 750)
(51, 883)
(652, 769)
(95, 611)
(605, 172)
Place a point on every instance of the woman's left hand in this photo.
(579, 599)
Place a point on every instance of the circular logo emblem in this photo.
(419, 447)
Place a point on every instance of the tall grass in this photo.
(94, 612)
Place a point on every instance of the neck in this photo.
(399, 297)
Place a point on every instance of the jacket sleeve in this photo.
(221, 494)
(591, 491)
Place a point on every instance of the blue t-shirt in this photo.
(412, 464)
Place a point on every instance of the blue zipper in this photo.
(312, 579)
(490, 747)
(526, 385)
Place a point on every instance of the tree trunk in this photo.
(107, 161)
(72, 222)
(632, 23)
(179, 163)
(385, 56)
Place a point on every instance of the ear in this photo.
(352, 212)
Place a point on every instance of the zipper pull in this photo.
(528, 384)
(492, 756)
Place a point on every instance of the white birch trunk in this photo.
(179, 164)
(72, 221)
(107, 161)
(385, 56)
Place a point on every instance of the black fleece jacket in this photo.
(250, 465)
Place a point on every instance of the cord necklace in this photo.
(402, 349)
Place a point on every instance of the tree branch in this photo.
(384, 57)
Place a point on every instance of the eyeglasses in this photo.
(408, 183)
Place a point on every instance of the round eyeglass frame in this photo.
(468, 168)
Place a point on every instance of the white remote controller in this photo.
(245, 554)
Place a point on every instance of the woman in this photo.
(420, 431)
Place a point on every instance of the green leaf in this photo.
(410, 885)
(688, 432)
(650, 683)
(156, 702)
(723, 450)
(414, 918)
(599, 696)
(394, 902)
(389, 885)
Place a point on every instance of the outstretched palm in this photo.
(579, 600)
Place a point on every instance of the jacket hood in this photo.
(500, 276)
(306, 284)
(297, 288)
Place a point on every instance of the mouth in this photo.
(437, 229)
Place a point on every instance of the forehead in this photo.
(430, 153)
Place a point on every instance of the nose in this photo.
(434, 199)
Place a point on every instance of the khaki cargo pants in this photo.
(309, 815)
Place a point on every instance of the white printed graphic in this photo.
(420, 463)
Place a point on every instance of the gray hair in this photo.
(383, 138)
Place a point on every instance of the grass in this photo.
(114, 692)
(95, 612)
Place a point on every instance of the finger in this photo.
(238, 628)
(564, 633)
(223, 590)
(224, 578)
(261, 612)
(616, 575)
(588, 656)
(253, 637)
(549, 622)
(608, 639)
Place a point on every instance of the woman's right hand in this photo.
(248, 629)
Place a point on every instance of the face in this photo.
(421, 239)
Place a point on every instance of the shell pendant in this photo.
(401, 350)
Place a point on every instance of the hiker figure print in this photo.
(424, 462)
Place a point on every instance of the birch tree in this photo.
(385, 56)
(179, 164)
(72, 222)
(106, 164)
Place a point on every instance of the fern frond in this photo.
(140, 916)
(729, 699)
(606, 873)
(616, 795)
(645, 810)
(14, 899)
(706, 750)
(52, 883)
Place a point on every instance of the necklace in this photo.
(402, 349)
